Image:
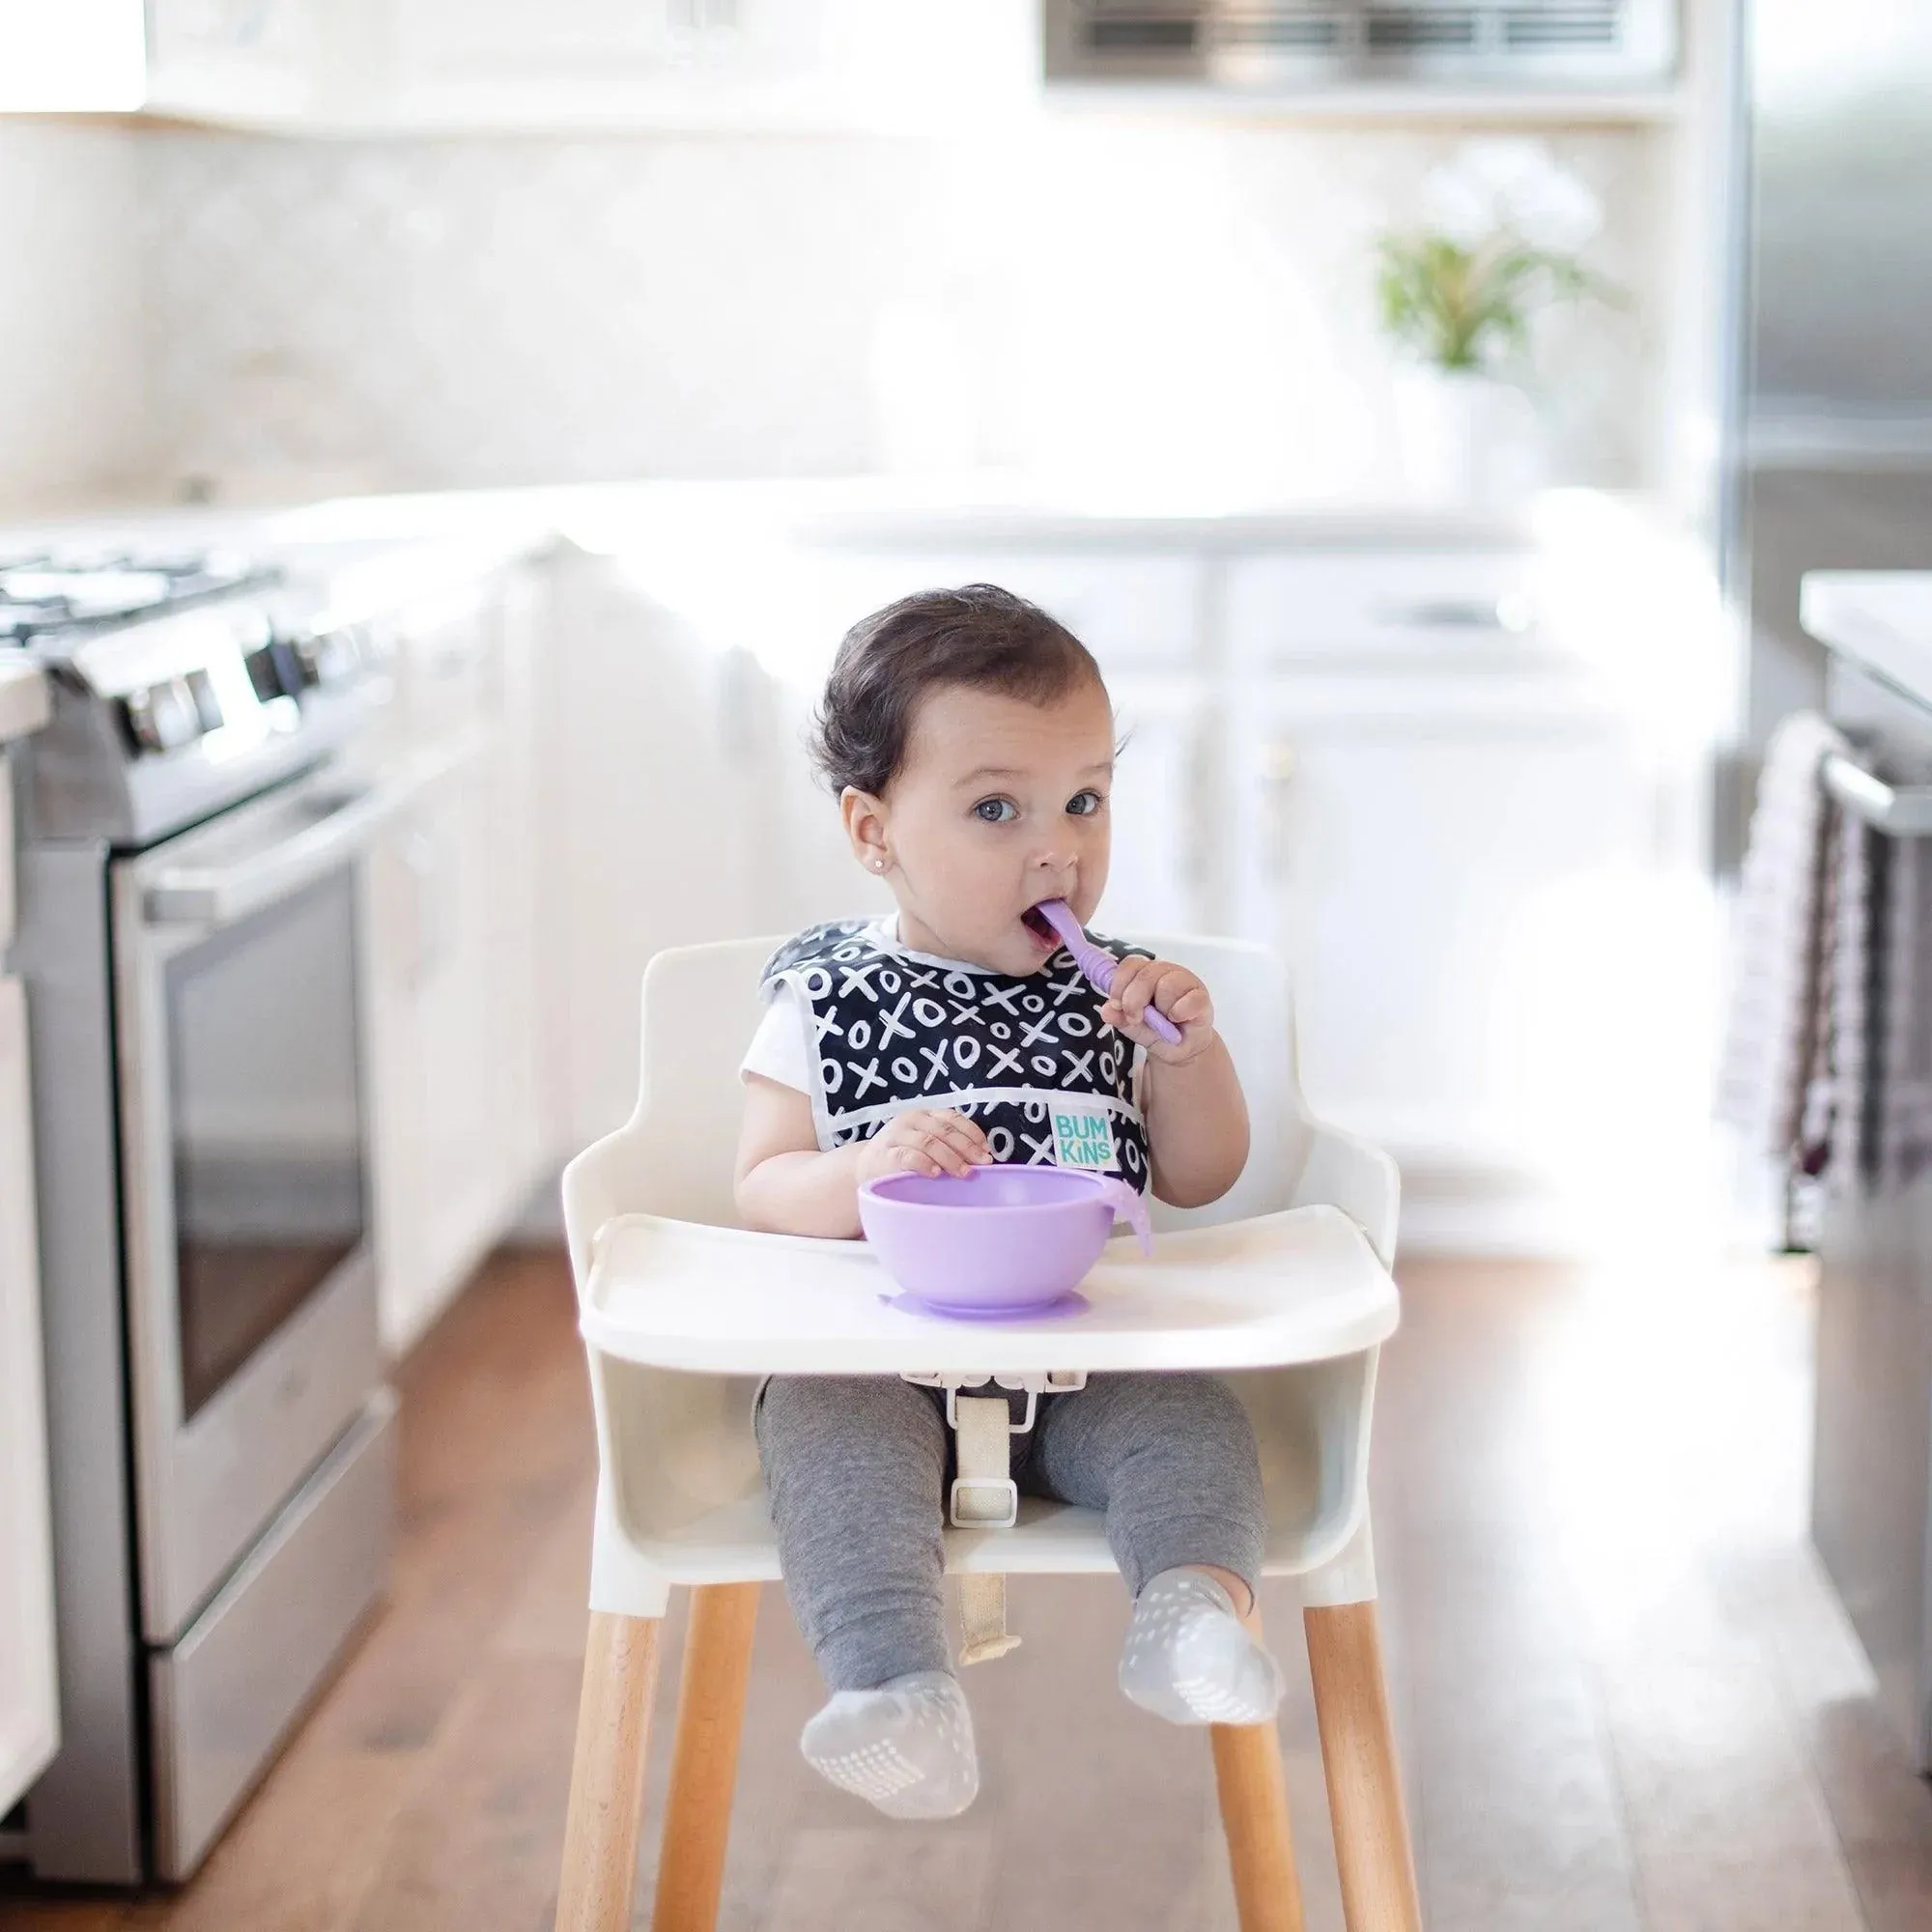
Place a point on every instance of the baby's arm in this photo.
(785, 1185)
(1197, 1117)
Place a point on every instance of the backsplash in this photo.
(1120, 301)
(70, 343)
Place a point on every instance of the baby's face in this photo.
(1000, 804)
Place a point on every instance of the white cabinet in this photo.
(1135, 611)
(29, 1710)
(1161, 876)
(681, 810)
(255, 61)
(462, 1123)
(421, 65)
(1480, 609)
(1462, 872)
(81, 57)
(1471, 837)
(836, 65)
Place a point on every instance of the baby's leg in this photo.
(1171, 1459)
(854, 1466)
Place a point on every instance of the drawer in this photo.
(225, 1695)
(1419, 607)
(1130, 610)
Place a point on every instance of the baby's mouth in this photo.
(1035, 923)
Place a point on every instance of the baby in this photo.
(971, 742)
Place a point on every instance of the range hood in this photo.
(1288, 46)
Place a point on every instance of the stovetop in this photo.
(182, 682)
(69, 593)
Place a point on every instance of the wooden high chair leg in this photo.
(704, 1759)
(1254, 1815)
(606, 1775)
(1253, 1790)
(1345, 1659)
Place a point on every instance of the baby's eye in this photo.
(1085, 804)
(996, 811)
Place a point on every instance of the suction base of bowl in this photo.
(1058, 1309)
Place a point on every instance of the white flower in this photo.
(1510, 186)
(1458, 207)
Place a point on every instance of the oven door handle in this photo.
(219, 894)
(1904, 812)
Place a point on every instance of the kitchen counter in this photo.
(24, 700)
(1883, 618)
(980, 508)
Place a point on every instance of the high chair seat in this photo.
(1283, 1285)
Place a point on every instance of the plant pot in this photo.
(1466, 439)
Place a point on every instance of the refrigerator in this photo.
(1828, 465)
(1830, 458)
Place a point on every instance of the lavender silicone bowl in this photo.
(1004, 1239)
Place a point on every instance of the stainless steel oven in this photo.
(251, 1306)
(198, 817)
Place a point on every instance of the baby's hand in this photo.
(927, 1140)
(1170, 989)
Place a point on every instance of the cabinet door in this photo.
(29, 1713)
(251, 61)
(448, 1050)
(81, 57)
(681, 811)
(1135, 611)
(1159, 880)
(831, 65)
(1457, 874)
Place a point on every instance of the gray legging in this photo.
(857, 1468)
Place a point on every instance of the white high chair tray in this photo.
(1300, 1285)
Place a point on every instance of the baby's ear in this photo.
(864, 817)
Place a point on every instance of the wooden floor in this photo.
(1625, 1697)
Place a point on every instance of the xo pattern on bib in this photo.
(895, 1031)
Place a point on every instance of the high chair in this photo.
(1283, 1284)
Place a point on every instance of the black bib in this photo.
(1028, 1060)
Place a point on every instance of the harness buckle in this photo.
(968, 1517)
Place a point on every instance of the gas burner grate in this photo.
(71, 590)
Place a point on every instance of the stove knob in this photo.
(137, 719)
(176, 717)
(164, 716)
(207, 700)
(275, 671)
(260, 664)
(331, 655)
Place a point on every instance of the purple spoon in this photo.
(1100, 967)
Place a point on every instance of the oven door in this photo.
(251, 1292)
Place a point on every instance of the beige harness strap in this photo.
(983, 1620)
(984, 1496)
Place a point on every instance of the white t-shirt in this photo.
(781, 1047)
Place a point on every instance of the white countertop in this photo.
(1883, 618)
(24, 698)
(979, 508)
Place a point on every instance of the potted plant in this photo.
(1499, 240)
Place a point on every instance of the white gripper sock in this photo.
(907, 1747)
(1189, 1658)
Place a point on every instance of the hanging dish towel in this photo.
(1901, 1116)
(1780, 1004)
(1833, 1136)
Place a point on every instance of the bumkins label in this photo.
(1083, 1138)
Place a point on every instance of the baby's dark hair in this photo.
(979, 636)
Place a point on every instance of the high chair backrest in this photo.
(675, 1157)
